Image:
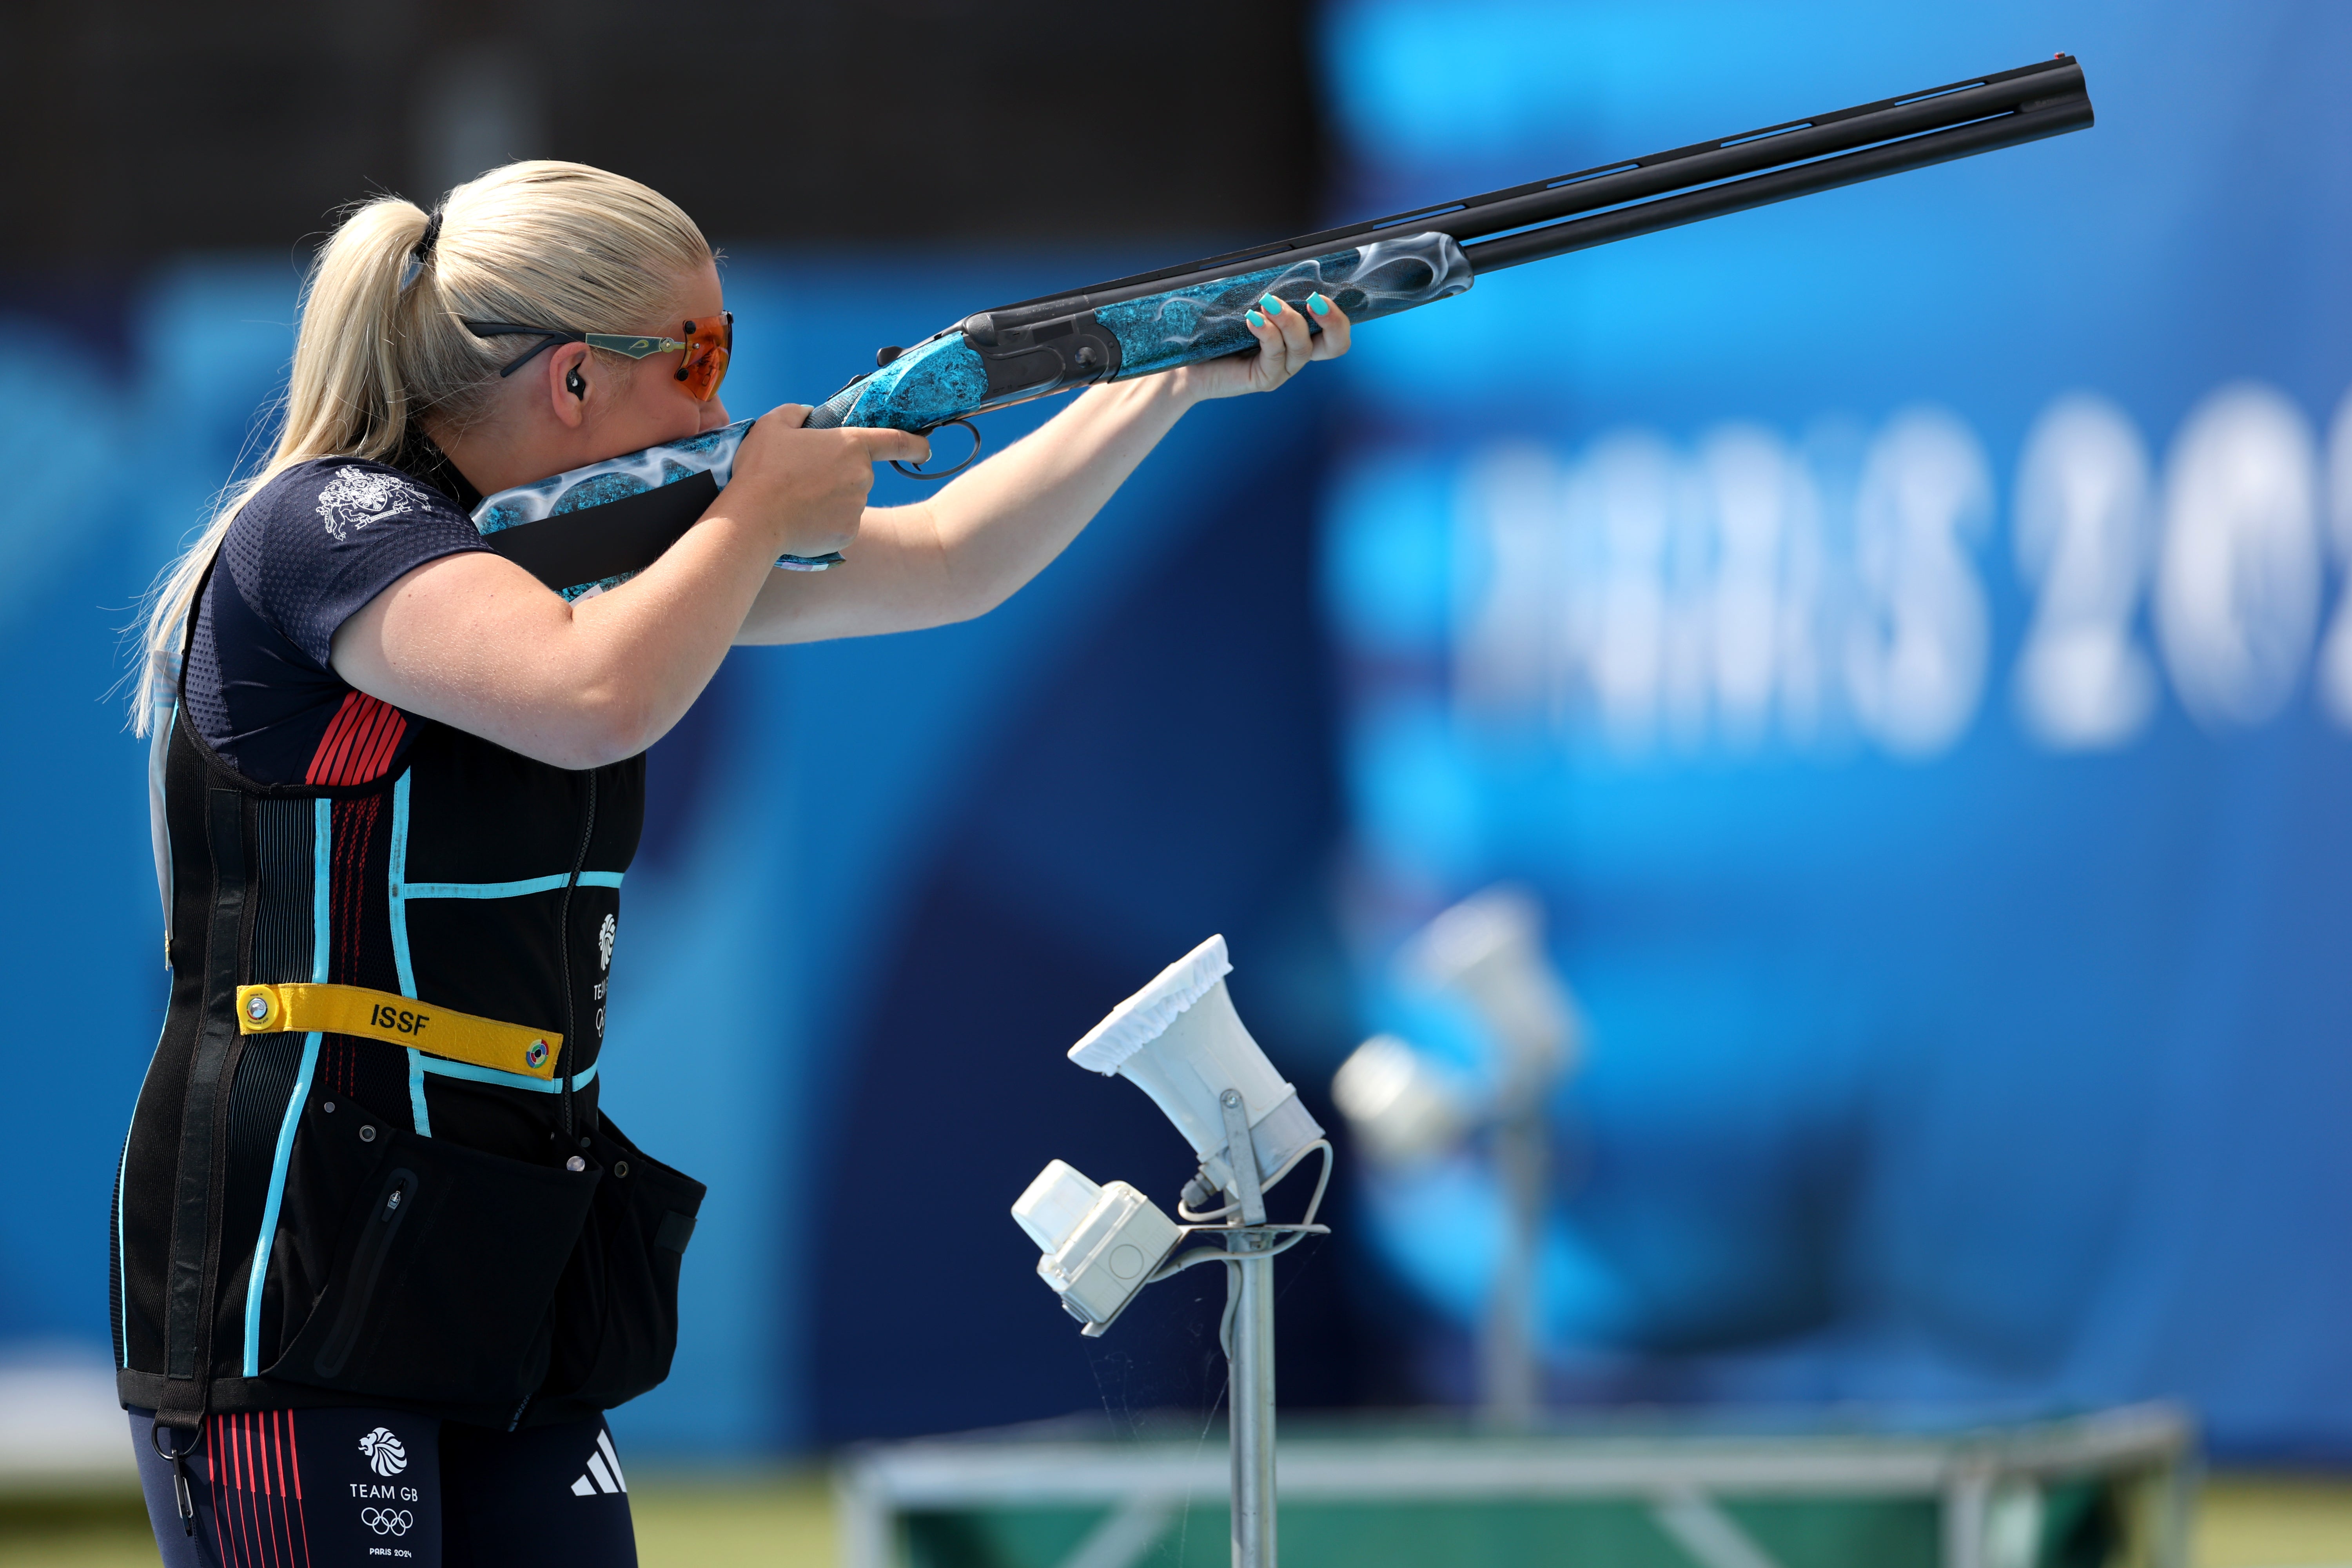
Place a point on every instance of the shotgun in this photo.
(584, 531)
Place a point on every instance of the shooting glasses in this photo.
(704, 346)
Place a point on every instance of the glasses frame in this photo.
(630, 347)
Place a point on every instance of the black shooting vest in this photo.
(316, 1218)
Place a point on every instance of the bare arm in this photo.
(475, 641)
(966, 550)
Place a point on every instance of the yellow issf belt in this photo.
(301, 1009)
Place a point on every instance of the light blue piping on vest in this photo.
(402, 890)
(418, 1116)
(400, 961)
(278, 1162)
(506, 1080)
(505, 890)
(121, 1273)
(322, 844)
(322, 856)
(417, 1111)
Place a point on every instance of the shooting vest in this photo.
(367, 1165)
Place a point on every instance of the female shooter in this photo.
(379, 1262)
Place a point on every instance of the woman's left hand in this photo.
(1285, 347)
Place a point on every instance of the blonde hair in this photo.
(541, 243)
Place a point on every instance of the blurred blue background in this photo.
(1899, 634)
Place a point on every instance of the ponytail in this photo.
(382, 341)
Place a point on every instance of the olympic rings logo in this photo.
(387, 1520)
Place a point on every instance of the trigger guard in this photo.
(970, 457)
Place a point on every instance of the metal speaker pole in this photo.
(1249, 1284)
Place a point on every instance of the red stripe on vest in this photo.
(360, 742)
(224, 1481)
(294, 1468)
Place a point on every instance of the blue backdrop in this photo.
(1903, 637)
(1899, 633)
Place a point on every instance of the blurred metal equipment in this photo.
(1179, 1040)
(1487, 954)
(1401, 1108)
(2113, 1487)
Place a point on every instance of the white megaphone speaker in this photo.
(1487, 953)
(1403, 1108)
(1180, 1041)
(1488, 950)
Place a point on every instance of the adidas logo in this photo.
(605, 1466)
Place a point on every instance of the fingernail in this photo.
(1319, 305)
(1256, 319)
(1273, 305)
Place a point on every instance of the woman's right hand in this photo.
(809, 487)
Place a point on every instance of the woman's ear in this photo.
(567, 383)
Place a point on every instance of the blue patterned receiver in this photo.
(958, 372)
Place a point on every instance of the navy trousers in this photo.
(346, 1488)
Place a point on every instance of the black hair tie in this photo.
(423, 251)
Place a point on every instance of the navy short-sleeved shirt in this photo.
(304, 555)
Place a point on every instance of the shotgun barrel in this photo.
(1664, 190)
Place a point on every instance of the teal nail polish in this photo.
(1273, 305)
(1319, 305)
(1256, 319)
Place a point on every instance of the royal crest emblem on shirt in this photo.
(355, 498)
(385, 1453)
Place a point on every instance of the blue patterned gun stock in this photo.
(589, 529)
(1002, 357)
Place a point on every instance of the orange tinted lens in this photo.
(709, 343)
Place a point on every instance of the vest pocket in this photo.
(442, 1277)
(616, 1310)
